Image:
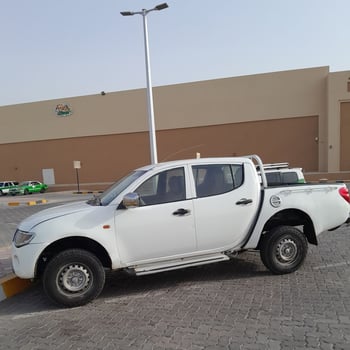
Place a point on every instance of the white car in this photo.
(171, 216)
(6, 186)
(281, 174)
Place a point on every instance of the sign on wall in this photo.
(76, 164)
(63, 110)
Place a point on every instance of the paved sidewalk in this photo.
(231, 305)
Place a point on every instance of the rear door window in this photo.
(215, 179)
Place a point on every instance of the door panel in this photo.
(163, 225)
(223, 220)
(154, 231)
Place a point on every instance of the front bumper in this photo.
(24, 259)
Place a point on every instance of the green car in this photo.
(29, 187)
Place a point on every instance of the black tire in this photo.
(283, 250)
(26, 191)
(73, 277)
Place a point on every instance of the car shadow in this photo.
(121, 285)
(29, 301)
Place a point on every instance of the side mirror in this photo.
(131, 200)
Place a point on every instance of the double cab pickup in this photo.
(175, 215)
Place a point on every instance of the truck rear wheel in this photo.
(73, 277)
(284, 249)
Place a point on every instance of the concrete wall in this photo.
(105, 158)
(268, 96)
(344, 136)
(338, 92)
(283, 116)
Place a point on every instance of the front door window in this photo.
(167, 186)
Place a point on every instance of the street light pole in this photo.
(151, 124)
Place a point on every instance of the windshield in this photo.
(112, 192)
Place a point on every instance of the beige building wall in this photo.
(278, 95)
(106, 158)
(338, 93)
(259, 97)
(345, 136)
(283, 116)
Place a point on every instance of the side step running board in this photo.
(177, 264)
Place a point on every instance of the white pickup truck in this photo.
(170, 216)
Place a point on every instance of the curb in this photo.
(12, 285)
(15, 204)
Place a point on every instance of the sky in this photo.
(59, 49)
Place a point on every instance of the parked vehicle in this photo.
(170, 216)
(29, 187)
(6, 186)
(281, 174)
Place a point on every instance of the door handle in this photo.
(181, 212)
(244, 201)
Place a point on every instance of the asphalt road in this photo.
(229, 305)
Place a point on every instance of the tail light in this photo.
(344, 192)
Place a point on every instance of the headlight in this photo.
(22, 238)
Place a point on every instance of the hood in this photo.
(47, 214)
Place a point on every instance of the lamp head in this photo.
(126, 13)
(161, 6)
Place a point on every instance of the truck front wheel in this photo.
(284, 249)
(73, 277)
